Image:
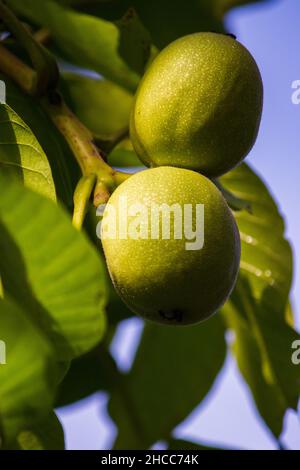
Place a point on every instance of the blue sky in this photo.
(227, 415)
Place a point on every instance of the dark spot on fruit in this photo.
(172, 315)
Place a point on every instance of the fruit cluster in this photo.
(195, 116)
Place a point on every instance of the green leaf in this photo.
(257, 310)
(83, 378)
(88, 374)
(169, 19)
(27, 379)
(21, 155)
(180, 444)
(45, 435)
(266, 395)
(173, 371)
(134, 41)
(222, 6)
(110, 108)
(266, 255)
(64, 168)
(95, 370)
(198, 16)
(52, 270)
(92, 42)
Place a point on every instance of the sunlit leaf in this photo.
(257, 310)
(22, 156)
(27, 380)
(267, 396)
(51, 269)
(92, 42)
(110, 105)
(64, 168)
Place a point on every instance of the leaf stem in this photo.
(80, 140)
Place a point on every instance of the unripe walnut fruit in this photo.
(170, 280)
(198, 105)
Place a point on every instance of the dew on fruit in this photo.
(181, 81)
(156, 290)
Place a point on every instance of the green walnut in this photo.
(171, 245)
(198, 106)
